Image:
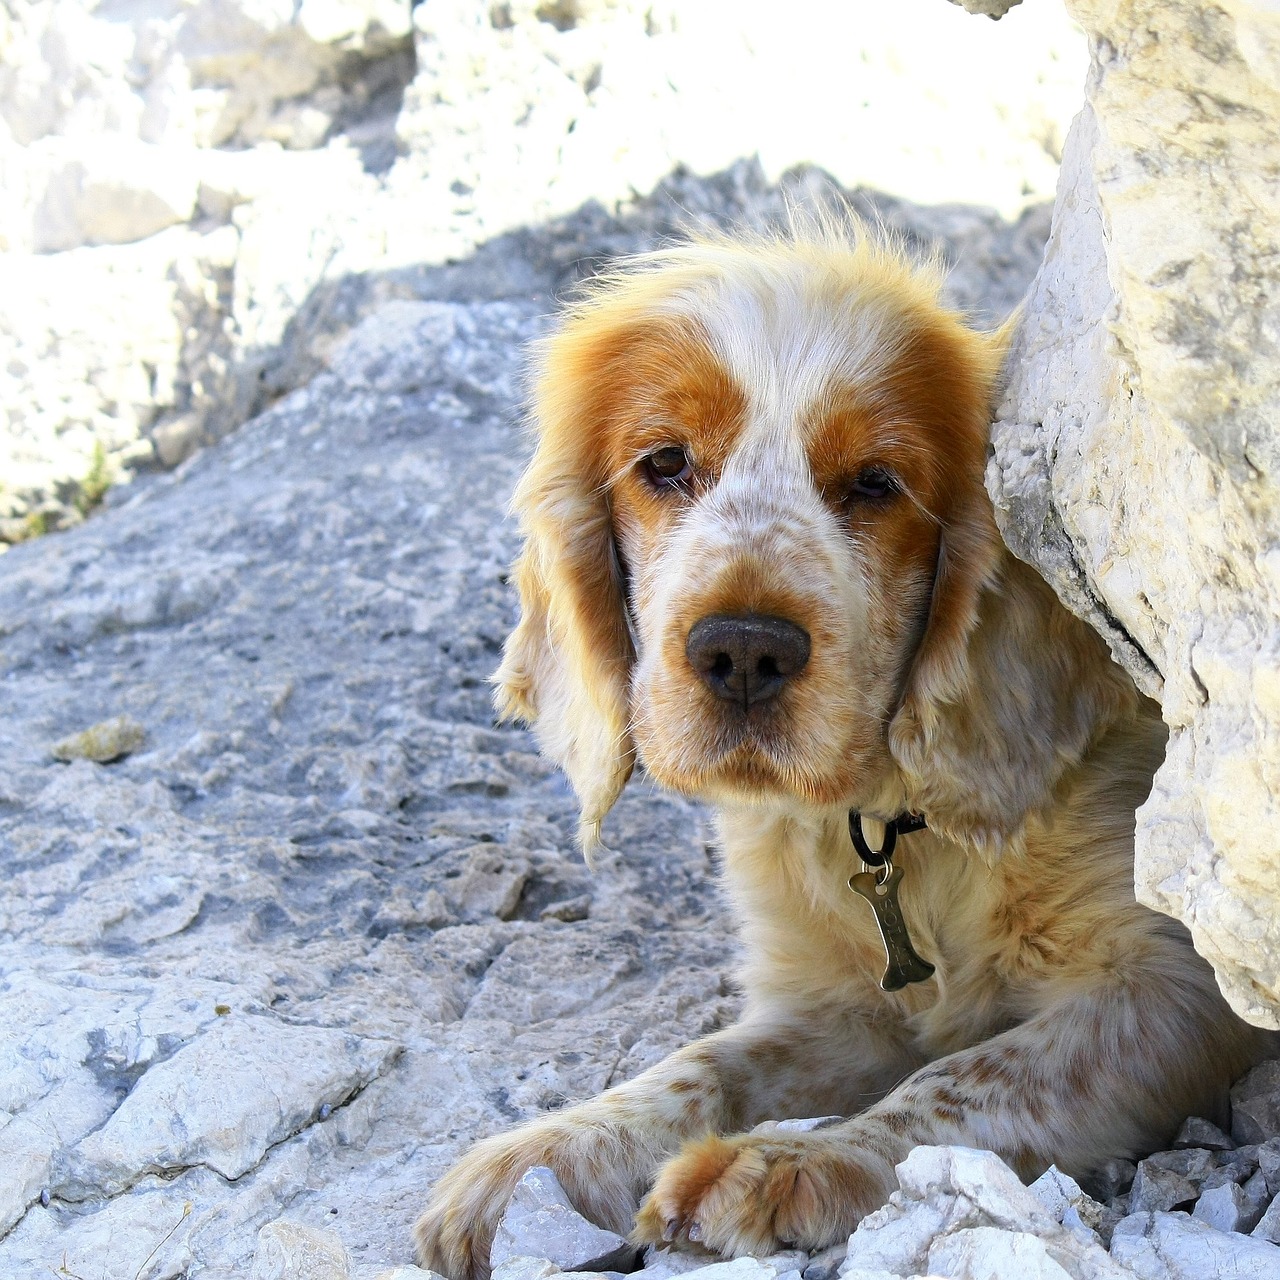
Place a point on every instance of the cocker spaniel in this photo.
(759, 558)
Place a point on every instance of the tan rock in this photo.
(1137, 458)
(291, 1251)
(106, 741)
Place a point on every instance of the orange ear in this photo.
(1007, 689)
(566, 666)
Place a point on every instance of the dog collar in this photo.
(878, 883)
(902, 825)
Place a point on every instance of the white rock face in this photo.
(1137, 456)
(201, 196)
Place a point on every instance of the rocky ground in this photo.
(321, 924)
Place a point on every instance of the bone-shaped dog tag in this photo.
(904, 965)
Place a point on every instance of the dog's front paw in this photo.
(456, 1230)
(756, 1193)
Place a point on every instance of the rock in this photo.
(103, 742)
(1134, 365)
(539, 1222)
(292, 1251)
(1155, 1189)
(807, 1126)
(1196, 1132)
(519, 1267)
(1255, 1104)
(825, 1264)
(1269, 1164)
(1173, 1246)
(1268, 1227)
(738, 1269)
(568, 911)
(990, 1252)
(202, 197)
(1110, 1179)
(959, 1211)
(1227, 1208)
(661, 1264)
(243, 1086)
(406, 1273)
(990, 8)
(1191, 1163)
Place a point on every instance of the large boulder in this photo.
(1137, 454)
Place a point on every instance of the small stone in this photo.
(520, 1267)
(659, 1264)
(1056, 1191)
(826, 1263)
(1268, 1227)
(291, 1251)
(539, 1222)
(1196, 1131)
(568, 911)
(1110, 1180)
(44, 1197)
(808, 1125)
(1158, 1190)
(1225, 1208)
(1255, 1104)
(102, 742)
(1194, 1164)
(737, 1269)
(408, 1273)
(1269, 1164)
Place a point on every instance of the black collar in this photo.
(902, 825)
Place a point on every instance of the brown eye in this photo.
(668, 468)
(873, 483)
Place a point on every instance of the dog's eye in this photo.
(668, 468)
(872, 483)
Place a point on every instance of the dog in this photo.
(759, 560)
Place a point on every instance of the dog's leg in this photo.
(1096, 1075)
(606, 1151)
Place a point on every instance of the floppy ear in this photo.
(566, 666)
(1007, 689)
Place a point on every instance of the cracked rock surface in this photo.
(318, 924)
(1137, 456)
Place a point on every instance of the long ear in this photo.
(1007, 689)
(566, 666)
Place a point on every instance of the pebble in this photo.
(539, 1222)
(103, 742)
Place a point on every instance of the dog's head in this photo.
(756, 533)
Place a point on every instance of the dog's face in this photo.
(755, 522)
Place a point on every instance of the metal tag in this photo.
(904, 965)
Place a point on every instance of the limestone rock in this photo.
(1172, 1246)
(202, 198)
(959, 1211)
(292, 1251)
(183, 1113)
(212, 949)
(539, 1222)
(1255, 1104)
(1228, 1208)
(105, 741)
(1160, 1189)
(1196, 1132)
(1136, 364)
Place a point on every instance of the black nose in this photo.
(746, 659)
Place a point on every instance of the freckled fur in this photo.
(1065, 1023)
